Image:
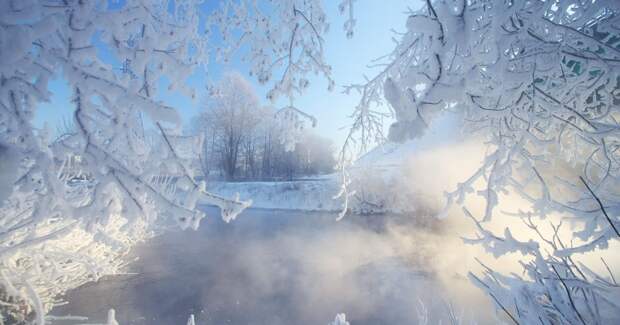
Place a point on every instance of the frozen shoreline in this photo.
(378, 178)
(301, 195)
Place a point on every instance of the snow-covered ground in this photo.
(307, 195)
(374, 174)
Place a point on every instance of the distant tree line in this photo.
(243, 140)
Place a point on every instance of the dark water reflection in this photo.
(269, 267)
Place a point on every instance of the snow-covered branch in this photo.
(539, 80)
(75, 205)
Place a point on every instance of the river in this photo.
(277, 267)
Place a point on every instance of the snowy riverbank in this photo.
(379, 180)
(391, 178)
(306, 195)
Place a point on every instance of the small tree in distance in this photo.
(231, 117)
(246, 141)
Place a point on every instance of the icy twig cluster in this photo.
(286, 41)
(541, 81)
(75, 204)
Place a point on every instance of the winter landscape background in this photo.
(309, 161)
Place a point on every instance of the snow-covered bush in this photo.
(540, 80)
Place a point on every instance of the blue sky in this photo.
(348, 57)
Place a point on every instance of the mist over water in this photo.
(283, 267)
(286, 267)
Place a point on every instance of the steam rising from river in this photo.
(280, 268)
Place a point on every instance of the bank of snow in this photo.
(306, 195)
(377, 180)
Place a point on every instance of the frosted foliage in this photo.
(80, 201)
(291, 123)
(540, 80)
(346, 6)
(341, 319)
(285, 40)
(112, 318)
(190, 320)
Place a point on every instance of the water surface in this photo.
(276, 267)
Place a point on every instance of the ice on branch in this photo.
(341, 319)
(539, 82)
(71, 207)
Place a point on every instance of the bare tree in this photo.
(251, 143)
(231, 115)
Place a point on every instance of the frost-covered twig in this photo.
(538, 81)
